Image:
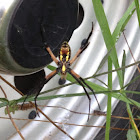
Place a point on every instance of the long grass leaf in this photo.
(110, 44)
(123, 65)
(138, 10)
(123, 21)
(114, 93)
(108, 117)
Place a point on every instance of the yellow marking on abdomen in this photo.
(61, 57)
(67, 57)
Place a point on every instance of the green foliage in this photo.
(110, 41)
(131, 135)
(11, 108)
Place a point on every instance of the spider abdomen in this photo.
(65, 52)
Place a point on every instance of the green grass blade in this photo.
(123, 65)
(100, 90)
(115, 70)
(51, 67)
(132, 81)
(110, 44)
(4, 100)
(123, 21)
(108, 117)
(138, 10)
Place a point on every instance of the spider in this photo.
(64, 64)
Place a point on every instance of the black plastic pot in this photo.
(21, 39)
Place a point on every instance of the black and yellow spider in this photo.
(64, 64)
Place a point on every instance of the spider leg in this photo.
(35, 90)
(52, 55)
(85, 41)
(91, 91)
(77, 78)
(84, 45)
(24, 101)
(47, 78)
(43, 34)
